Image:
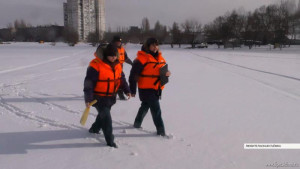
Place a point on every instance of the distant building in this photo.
(85, 16)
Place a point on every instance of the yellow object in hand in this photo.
(86, 113)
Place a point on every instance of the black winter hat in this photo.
(151, 41)
(111, 50)
(117, 39)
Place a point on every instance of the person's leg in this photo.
(121, 94)
(156, 116)
(96, 127)
(106, 125)
(141, 114)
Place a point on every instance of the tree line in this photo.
(188, 32)
(272, 24)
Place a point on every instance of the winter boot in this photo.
(137, 125)
(112, 145)
(161, 132)
(93, 131)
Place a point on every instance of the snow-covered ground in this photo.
(216, 101)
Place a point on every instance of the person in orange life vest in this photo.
(145, 72)
(103, 78)
(123, 57)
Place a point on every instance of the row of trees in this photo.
(135, 34)
(273, 24)
(187, 32)
(276, 23)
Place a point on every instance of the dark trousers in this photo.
(155, 110)
(104, 122)
(121, 94)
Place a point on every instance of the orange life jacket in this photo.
(121, 51)
(150, 76)
(109, 80)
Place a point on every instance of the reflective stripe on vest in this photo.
(109, 79)
(150, 77)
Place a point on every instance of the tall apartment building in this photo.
(85, 16)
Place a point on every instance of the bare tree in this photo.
(176, 34)
(294, 18)
(93, 38)
(236, 24)
(213, 31)
(21, 24)
(145, 25)
(191, 28)
(282, 24)
(160, 31)
(71, 36)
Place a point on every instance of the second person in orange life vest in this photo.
(103, 79)
(123, 57)
(145, 72)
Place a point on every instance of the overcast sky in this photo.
(126, 12)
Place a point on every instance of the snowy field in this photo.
(216, 101)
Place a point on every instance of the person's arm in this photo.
(90, 83)
(136, 70)
(127, 59)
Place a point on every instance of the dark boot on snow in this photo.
(137, 125)
(114, 145)
(93, 131)
(161, 132)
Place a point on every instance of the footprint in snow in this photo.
(134, 154)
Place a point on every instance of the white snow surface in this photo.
(216, 100)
